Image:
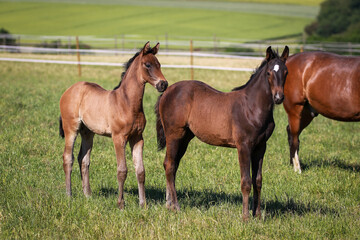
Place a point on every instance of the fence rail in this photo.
(229, 46)
(128, 45)
(120, 64)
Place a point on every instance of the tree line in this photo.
(338, 20)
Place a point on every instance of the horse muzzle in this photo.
(162, 85)
(278, 97)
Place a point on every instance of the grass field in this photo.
(150, 19)
(321, 203)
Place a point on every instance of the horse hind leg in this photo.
(300, 117)
(84, 158)
(70, 132)
(175, 150)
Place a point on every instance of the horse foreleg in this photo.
(119, 144)
(244, 161)
(137, 145)
(84, 159)
(257, 161)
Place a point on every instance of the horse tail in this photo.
(61, 130)
(161, 140)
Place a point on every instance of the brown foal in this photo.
(241, 119)
(88, 109)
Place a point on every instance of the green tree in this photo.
(6, 38)
(337, 20)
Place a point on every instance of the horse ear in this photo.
(285, 54)
(156, 48)
(146, 48)
(269, 54)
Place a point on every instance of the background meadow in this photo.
(145, 19)
(321, 203)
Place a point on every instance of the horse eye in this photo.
(148, 65)
(268, 73)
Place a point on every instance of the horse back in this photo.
(328, 82)
(211, 115)
(88, 103)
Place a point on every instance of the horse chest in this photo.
(139, 124)
(255, 131)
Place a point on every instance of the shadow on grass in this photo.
(275, 208)
(334, 162)
(208, 198)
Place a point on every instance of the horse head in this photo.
(276, 73)
(150, 68)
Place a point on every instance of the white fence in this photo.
(230, 46)
(199, 48)
(120, 64)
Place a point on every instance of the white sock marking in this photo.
(296, 163)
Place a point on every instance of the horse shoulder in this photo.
(299, 68)
(123, 118)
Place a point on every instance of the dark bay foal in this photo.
(241, 119)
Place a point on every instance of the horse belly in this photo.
(97, 123)
(331, 85)
(94, 113)
(337, 99)
(214, 129)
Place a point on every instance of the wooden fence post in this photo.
(191, 60)
(116, 43)
(166, 42)
(78, 55)
(215, 45)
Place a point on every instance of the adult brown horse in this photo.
(241, 119)
(319, 82)
(88, 109)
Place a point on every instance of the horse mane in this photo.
(257, 70)
(128, 64)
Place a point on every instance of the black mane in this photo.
(128, 64)
(257, 70)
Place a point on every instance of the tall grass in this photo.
(323, 202)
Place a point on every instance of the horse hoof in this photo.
(172, 207)
(245, 218)
(297, 169)
(143, 205)
(121, 204)
(87, 193)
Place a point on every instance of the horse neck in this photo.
(132, 88)
(259, 92)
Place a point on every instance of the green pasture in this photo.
(155, 19)
(321, 203)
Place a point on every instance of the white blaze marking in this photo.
(276, 68)
(296, 163)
